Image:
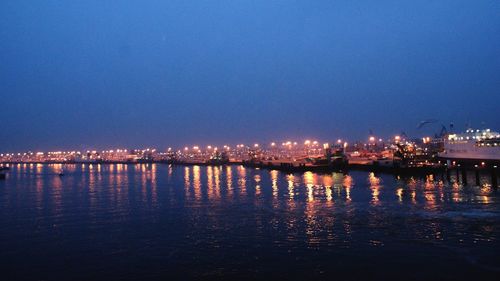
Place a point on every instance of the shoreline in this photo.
(354, 167)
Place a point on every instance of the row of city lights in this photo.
(287, 144)
(57, 153)
(255, 145)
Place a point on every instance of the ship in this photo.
(475, 147)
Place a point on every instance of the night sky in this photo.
(104, 74)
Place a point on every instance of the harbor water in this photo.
(157, 221)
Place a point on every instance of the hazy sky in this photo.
(83, 74)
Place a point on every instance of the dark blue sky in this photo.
(79, 74)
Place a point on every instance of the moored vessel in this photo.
(474, 147)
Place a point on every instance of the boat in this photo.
(474, 147)
(218, 158)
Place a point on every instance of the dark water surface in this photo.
(153, 221)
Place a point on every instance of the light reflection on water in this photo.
(238, 212)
